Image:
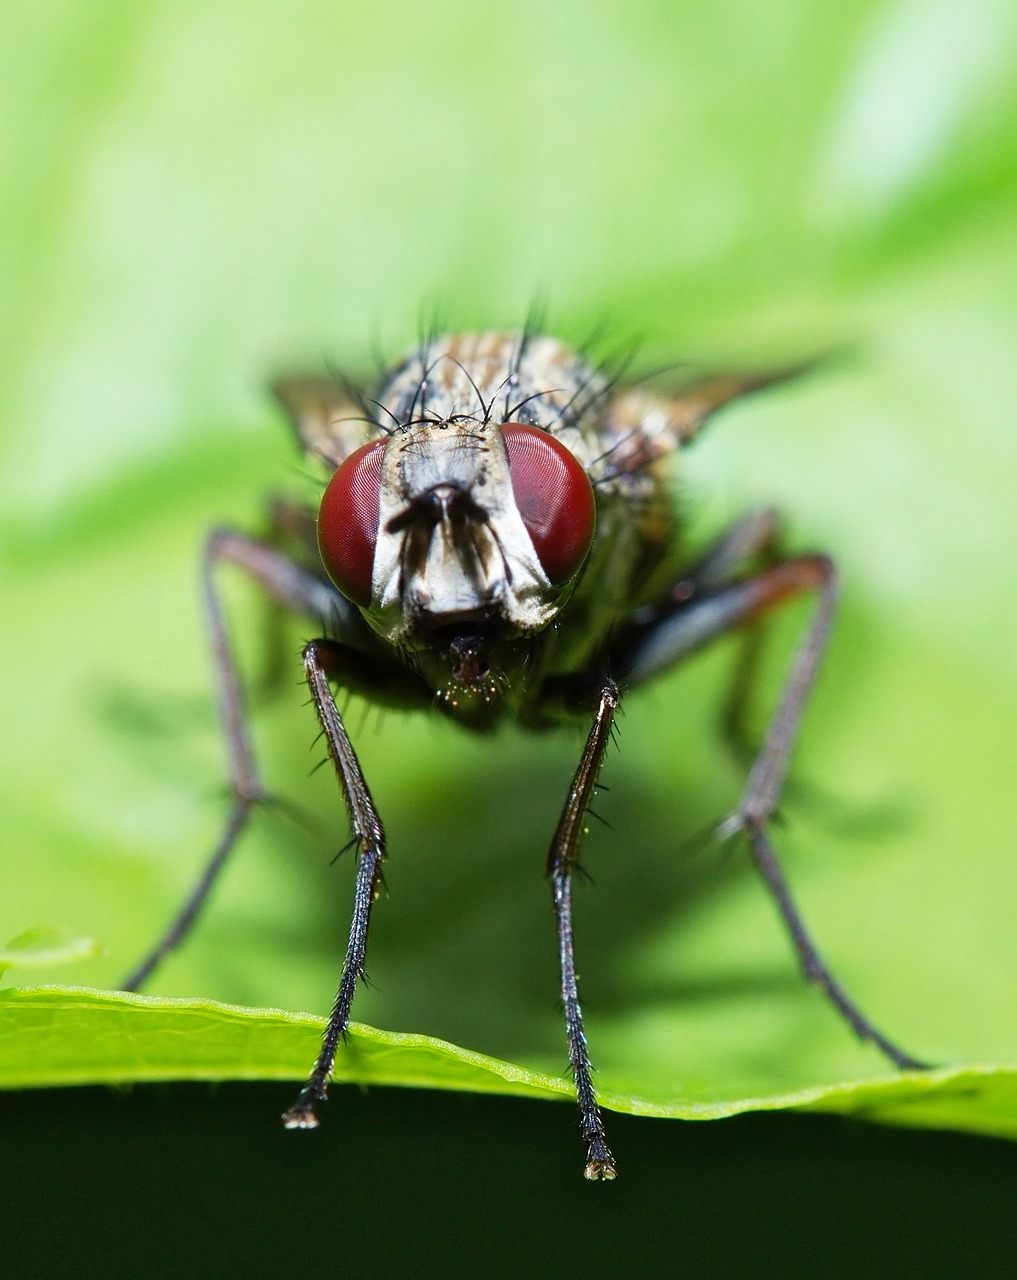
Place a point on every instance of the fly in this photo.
(497, 539)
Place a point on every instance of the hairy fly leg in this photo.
(560, 862)
(297, 590)
(325, 660)
(681, 626)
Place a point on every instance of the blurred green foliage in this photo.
(192, 202)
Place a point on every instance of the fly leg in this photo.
(751, 543)
(678, 629)
(323, 659)
(297, 590)
(560, 862)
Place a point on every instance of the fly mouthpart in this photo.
(472, 678)
(457, 633)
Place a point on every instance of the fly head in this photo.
(459, 527)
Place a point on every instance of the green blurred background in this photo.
(196, 196)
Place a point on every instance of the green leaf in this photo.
(193, 204)
(44, 947)
(55, 1036)
(72, 1035)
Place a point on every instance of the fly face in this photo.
(443, 508)
(491, 540)
(452, 550)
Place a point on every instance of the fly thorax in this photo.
(452, 547)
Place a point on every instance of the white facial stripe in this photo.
(478, 556)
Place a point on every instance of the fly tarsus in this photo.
(302, 1114)
(600, 1165)
(181, 924)
(812, 963)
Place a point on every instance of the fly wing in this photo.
(331, 418)
(690, 407)
(643, 425)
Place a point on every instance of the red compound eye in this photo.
(348, 522)
(554, 497)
